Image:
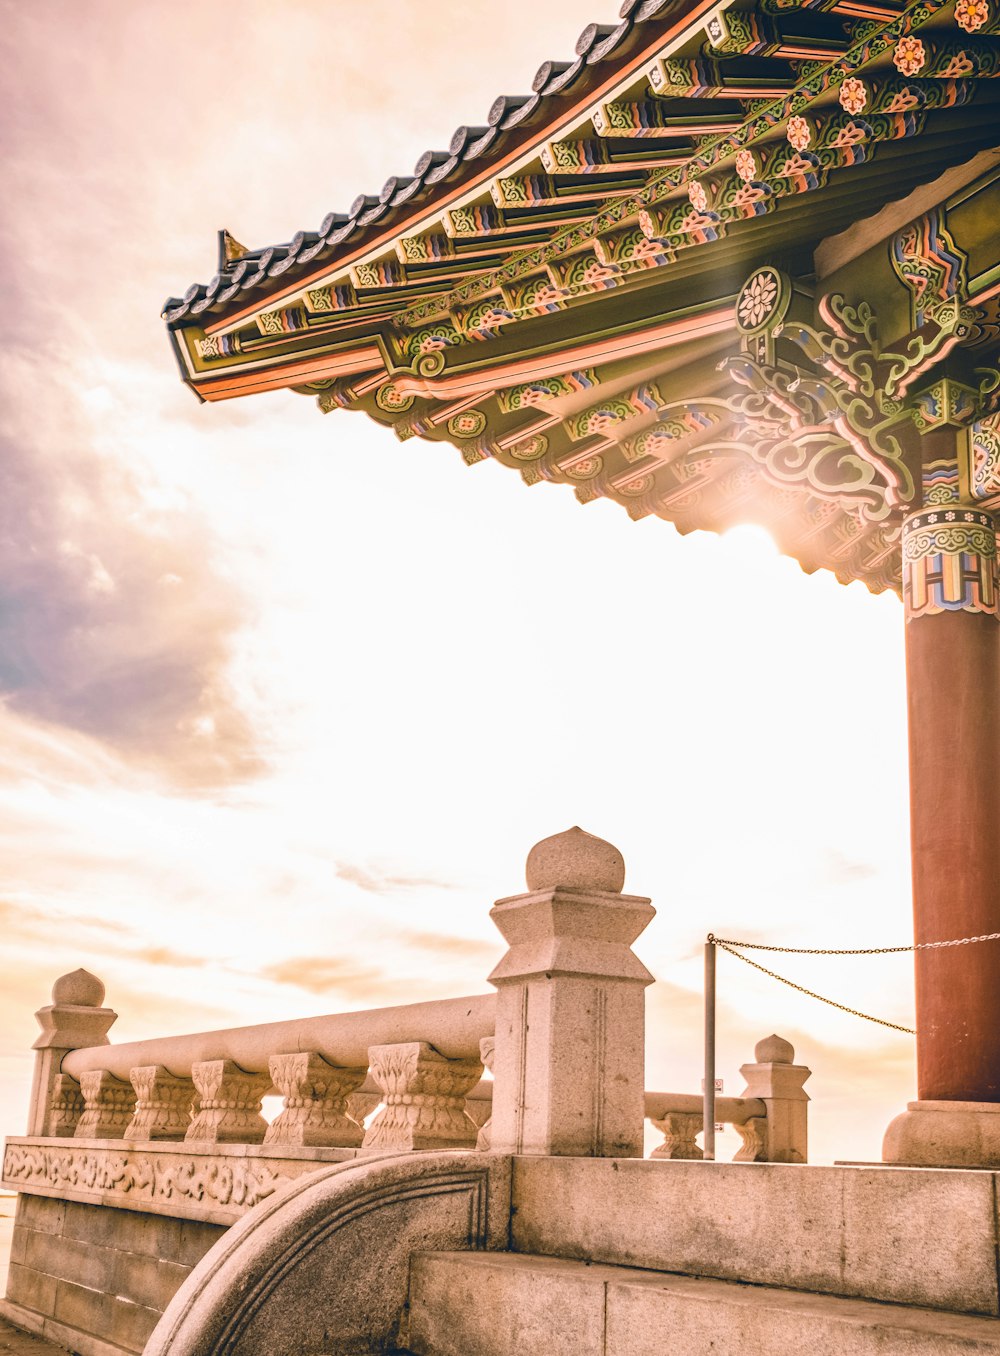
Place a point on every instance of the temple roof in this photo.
(558, 290)
(601, 51)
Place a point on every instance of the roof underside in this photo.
(557, 290)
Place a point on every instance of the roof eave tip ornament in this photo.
(230, 249)
(575, 860)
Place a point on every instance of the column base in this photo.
(944, 1135)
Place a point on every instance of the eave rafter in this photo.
(572, 315)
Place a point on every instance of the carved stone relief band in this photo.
(218, 1186)
(950, 563)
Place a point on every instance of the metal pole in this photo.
(708, 1152)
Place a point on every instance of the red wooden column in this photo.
(953, 681)
(953, 689)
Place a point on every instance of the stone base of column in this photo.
(944, 1135)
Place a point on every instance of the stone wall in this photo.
(95, 1278)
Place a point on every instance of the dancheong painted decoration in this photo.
(729, 264)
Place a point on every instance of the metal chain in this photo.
(879, 1021)
(727, 942)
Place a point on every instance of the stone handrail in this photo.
(454, 1026)
(680, 1117)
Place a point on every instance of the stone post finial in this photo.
(575, 860)
(774, 1050)
(777, 1082)
(568, 1058)
(79, 989)
(74, 1020)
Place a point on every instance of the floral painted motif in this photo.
(467, 424)
(903, 102)
(583, 470)
(853, 95)
(971, 14)
(910, 55)
(958, 67)
(389, 399)
(851, 135)
(746, 165)
(698, 196)
(531, 449)
(799, 134)
(756, 301)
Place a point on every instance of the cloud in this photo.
(380, 883)
(165, 955)
(320, 974)
(117, 618)
(445, 944)
(841, 869)
(349, 981)
(32, 924)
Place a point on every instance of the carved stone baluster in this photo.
(163, 1104)
(65, 1107)
(753, 1137)
(315, 1110)
(679, 1129)
(424, 1096)
(487, 1047)
(360, 1105)
(228, 1106)
(108, 1106)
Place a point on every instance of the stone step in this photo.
(16, 1342)
(499, 1304)
(914, 1236)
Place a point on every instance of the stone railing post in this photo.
(424, 1096)
(777, 1082)
(570, 1026)
(227, 1110)
(108, 1106)
(315, 1110)
(74, 1020)
(163, 1104)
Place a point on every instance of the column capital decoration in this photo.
(950, 562)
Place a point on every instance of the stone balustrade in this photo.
(770, 1117)
(420, 1062)
(568, 1081)
(157, 1146)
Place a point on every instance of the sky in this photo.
(284, 703)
